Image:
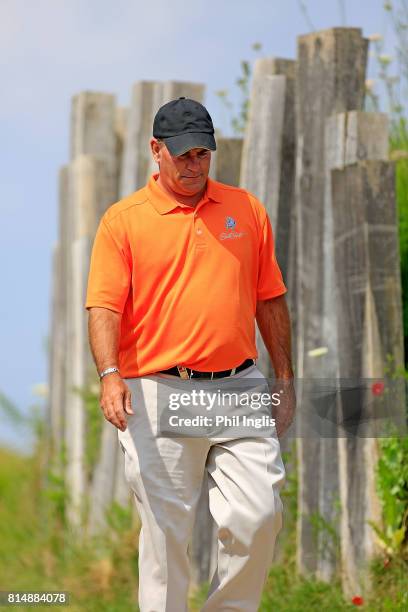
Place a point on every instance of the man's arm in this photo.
(273, 321)
(104, 328)
(104, 331)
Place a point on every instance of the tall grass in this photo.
(37, 552)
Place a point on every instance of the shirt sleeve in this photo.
(110, 272)
(270, 281)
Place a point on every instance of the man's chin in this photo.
(193, 186)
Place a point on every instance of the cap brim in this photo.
(177, 145)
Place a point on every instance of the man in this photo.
(179, 271)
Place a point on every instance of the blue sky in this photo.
(51, 50)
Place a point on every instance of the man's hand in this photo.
(115, 400)
(284, 412)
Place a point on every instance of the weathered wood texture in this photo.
(57, 362)
(90, 186)
(56, 366)
(93, 132)
(368, 295)
(122, 115)
(89, 193)
(102, 491)
(226, 161)
(330, 77)
(267, 165)
(137, 155)
(348, 137)
(78, 364)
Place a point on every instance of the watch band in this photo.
(108, 371)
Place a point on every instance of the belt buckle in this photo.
(182, 370)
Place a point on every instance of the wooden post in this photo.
(77, 363)
(104, 478)
(330, 77)
(137, 155)
(369, 329)
(58, 329)
(227, 160)
(267, 166)
(348, 137)
(96, 140)
(121, 129)
(92, 126)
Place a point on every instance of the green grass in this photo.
(39, 552)
(286, 592)
(390, 579)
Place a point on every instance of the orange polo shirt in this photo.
(186, 279)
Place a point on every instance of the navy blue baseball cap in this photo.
(184, 124)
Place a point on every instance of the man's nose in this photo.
(193, 160)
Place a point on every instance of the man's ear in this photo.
(155, 148)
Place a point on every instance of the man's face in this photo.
(185, 174)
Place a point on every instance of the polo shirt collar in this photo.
(164, 203)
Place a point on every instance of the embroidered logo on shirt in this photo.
(230, 224)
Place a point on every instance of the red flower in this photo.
(357, 600)
(377, 388)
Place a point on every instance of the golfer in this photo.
(180, 270)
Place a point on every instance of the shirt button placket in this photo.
(198, 230)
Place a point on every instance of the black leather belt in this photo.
(183, 372)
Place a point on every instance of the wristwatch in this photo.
(108, 371)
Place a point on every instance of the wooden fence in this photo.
(320, 165)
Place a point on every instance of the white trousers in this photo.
(166, 474)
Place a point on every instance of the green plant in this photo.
(287, 592)
(40, 552)
(392, 487)
(326, 534)
(399, 152)
(94, 422)
(289, 492)
(390, 592)
(119, 518)
(198, 597)
(239, 120)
